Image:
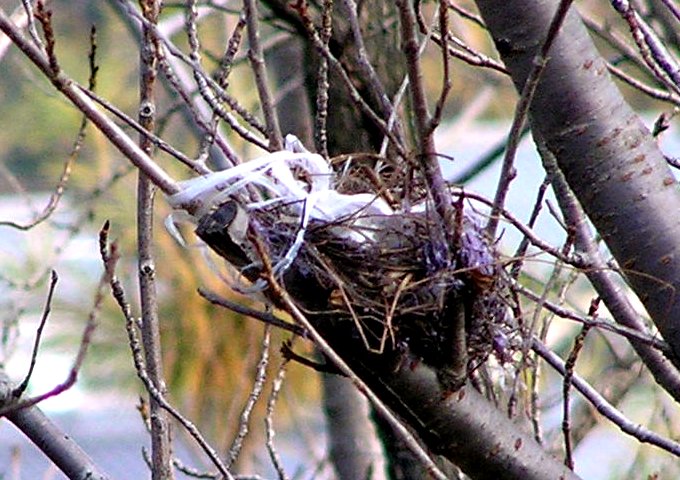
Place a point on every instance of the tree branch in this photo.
(609, 158)
(76, 94)
(59, 447)
(161, 446)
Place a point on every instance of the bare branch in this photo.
(258, 387)
(75, 93)
(656, 57)
(446, 80)
(604, 407)
(38, 335)
(161, 447)
(508, 171)
(267, 317)
(59, 447)
(256, 58)
(657, 358)
(269, 422)
(566, 390)
(322, 86)
(428, 159)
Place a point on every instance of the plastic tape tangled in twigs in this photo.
(294, 177)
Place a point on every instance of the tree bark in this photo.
(608, 156)
(463, 427)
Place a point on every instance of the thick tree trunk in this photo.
(607, 155)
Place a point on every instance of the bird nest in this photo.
(385, 278)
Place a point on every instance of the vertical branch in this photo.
(222, 78)
(566, 392)
(256, 58)
(258, 386)
(30, 23)
(269, 422)
(362, 64)
(161, 449)
(426, 146)
(447, 230)
(446, 80)
(320, 132)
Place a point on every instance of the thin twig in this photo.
(198, 73)
(656, 56)
(256, 57)
(222, 77)
(216, 108)
(656, 93)
(456, 48)
(72, 377)
(577, 261)
(21, 388)
(75, 93)
(401, 92)
(568, 314)
(58, 192)
(269, 422)
(428, 159)
(253, 397)
(605, 283)
(362, 64)
(347, 82)
(150, 136)
(605, 408)
(524, 243)
(508, 171)
(476, 19)
(266, 317)
(322, 86)
(30, 23)
(566, 390)
(446, 77)
(109, 254)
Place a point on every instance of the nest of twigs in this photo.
(386, 283)
(365, 255)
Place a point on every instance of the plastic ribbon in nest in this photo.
(298, 182)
